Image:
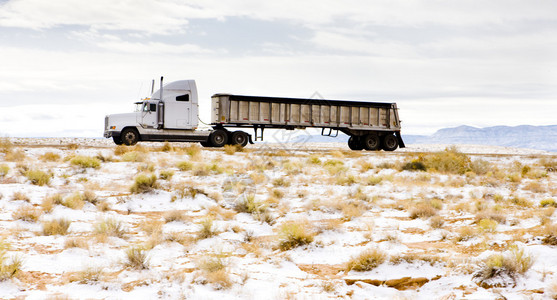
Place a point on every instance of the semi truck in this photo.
(172, 114)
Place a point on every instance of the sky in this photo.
(64, 64)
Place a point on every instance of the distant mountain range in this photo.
(524, 136)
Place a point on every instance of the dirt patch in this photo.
(401, 284)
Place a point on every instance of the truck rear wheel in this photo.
(371, 142)
(239, 138)
(390, 142)
(129, 136)
(354, 143)
(218, 138)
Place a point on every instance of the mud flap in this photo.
(399, 138)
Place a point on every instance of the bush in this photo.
(50, 156)
(207, 229)
(56, 227)
(166, 174)
(449, 161)
(366, 261)
(502, 269)
(144, 183)
(38, 177)
(231, 149)
(174, 215)
(184, 166)
(488, 225)
(281, 181)
(295, 233)
(424, 210)
(8, 269)
(110, 227)
(86, 162)
(214, 269)
(20, 196)
(137, 257)
(4, 169)
(74, 201)
(414, 166)
(548, 202)
(27, 213)
(133, 156)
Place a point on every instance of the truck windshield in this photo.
(138, 106)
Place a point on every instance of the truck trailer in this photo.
(171, 114)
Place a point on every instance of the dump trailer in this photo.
(171, 114)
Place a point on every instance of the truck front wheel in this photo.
(117, 140)
(239, 138)
(218, 138)
(129, 136)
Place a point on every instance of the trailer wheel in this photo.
(390, 143)
(239, 138)
(354, 143)
(117, 140)
(371, 142)
(218, 138)
(129, 136)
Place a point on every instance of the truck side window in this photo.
(184, 98)
(153, 107)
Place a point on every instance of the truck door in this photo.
(178, 113)
(148, 115)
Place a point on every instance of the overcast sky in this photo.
(64, 64)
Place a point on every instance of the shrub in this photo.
(193, 151)
(366, 261)
(448, 161)
(50, 156)
(488, 225)
(499, 269)
(207, 229)
(121, 149)
(110, 227)
(20, 196)
(550, 235)
(144, 183)
(184, 166)
(56, 227)
(86, 162)
(436, 222)
(214, 269)
(414, 165)
(466, 233)
(174, 215)
(231, 149)
(90, 196)
(424, 210)
(49, 202)
(90, 275)
(137, 257)
(8, 269)
(133, 156)
(295, 233)
(27, 213)
(38, 177)
(76, 243)
(166, 174)
(248, 204)
(74, 201)
(548, 202)
(166, 147)
(4, 169)
(281, 181)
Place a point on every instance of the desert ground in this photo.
(84, 218)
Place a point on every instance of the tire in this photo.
(117, 140)
(239, 138)
(354, 143)
(371, 142)
(218, 138)
(390, 142)
(129, 136)
(206, 144)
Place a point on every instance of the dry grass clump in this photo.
(550, 164)
(50, 156)
(137, 257)
(487, 225)
(56, 227)
(9, 267)
(74, 201)
(414, 165)
(214, 268)
(166, 174)
(133, 156)
(85, 162)
(144, 183)
(166, 147)
(334, 166)
(231, 149)
(466, 233)
(425, 209)
(436, 222)
(175, 215)
(15, 155)
(76, 243)
(502, 269)
(4, 169)
(49, 201)
(293, 234)
(449, 161)
(38, 177)
(522, 202)
(194, 151)
(496, 216)
(207, 229)
(110, 227)
(366, 261)
(549, 202)
(281, 181)
(27, 213)
(89, 275)
(415, 258)
(20, 196)
(184, 166)
(550, 234)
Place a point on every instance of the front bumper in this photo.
(110, 133)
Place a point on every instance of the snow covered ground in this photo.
(276, 221)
